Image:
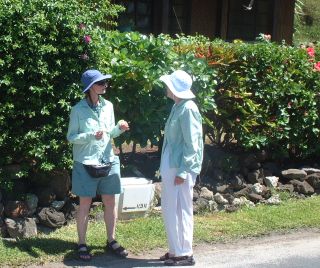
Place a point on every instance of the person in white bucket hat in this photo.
(91, 130)
(181, 160)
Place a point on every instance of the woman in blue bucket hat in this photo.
(96, 170)
(181, 159)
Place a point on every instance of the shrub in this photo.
(44, 47)
(136, 62)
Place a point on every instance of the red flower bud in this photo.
(317, 66)
(87, 39)
(310, 51)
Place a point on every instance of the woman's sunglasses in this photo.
(101, 83)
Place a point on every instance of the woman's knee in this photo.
(108, 200)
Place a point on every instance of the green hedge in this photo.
(44, 47)
(261, 95)
(258, 95)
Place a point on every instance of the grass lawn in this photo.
(305, 31)
(148, 233)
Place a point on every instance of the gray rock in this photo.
(222, 207)
(255, 197)
(242, 192)
(257, 188)
(314, 180)
(222, 188)
(206, 194)
(245, 202)
(232, 208)
(271, 181)
(286, 187)
(302, 187)
(51, 218)
(274, 200)
(294, 174)
(220, 199)
(21, 228)
(201, 205)
(310, 170)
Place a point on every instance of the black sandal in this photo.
(83, 252)
(165, 257)
(118, 250)
(180, 261)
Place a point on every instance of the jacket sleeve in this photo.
(73, 134)
(191, 125)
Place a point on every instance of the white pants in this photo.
(177, 209)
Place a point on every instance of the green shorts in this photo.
(84, 185)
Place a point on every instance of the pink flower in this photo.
(317, 66)
(82, 26)
(310, 51)
(267, 37)
(87, 39)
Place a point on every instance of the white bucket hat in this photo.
(179, 82)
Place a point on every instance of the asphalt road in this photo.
(297, 249)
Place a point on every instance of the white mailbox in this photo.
(136, 199)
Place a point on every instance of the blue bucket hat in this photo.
(90, 77)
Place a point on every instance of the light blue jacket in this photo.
(183, 138)
(83, 125)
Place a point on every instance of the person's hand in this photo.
(123, 125)
(98, 135)
(178, 180)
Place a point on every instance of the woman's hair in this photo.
(87, 93)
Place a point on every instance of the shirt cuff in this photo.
(182, 175)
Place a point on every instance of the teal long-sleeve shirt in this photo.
(183, 138)
(84, 123)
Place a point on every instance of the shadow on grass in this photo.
(42, 247)
(37, 247)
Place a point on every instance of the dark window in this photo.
(137, 17)
(179, 14)
(248, 24)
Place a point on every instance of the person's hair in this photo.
(87, 93)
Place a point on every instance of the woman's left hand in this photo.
(178, 180)
(123, 125)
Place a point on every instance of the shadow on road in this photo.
(107, 260)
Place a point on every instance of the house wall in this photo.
(220, 18)
(283, 20)
(204, 14)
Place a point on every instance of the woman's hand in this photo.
(178, 180)
(123, 125)
(98, 135)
